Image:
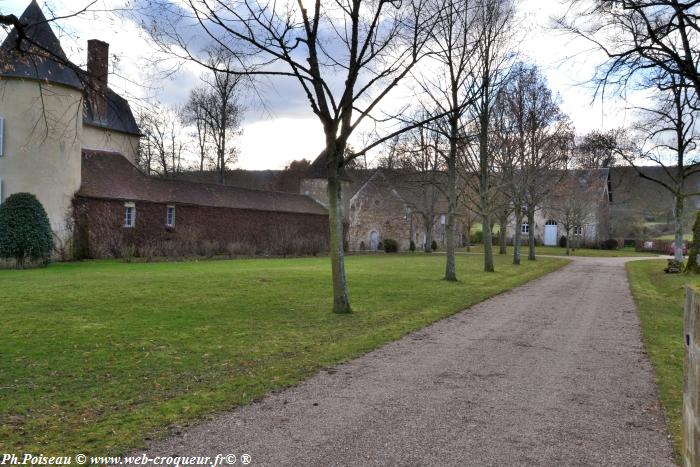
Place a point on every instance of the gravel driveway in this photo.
(552, 373)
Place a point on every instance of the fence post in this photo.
(691, 388)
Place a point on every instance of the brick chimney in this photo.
(98, 70)
(98, 60)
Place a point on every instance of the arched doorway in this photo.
(550, 233)
(374, 240)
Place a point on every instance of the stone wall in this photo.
(377, 208)
(691, 390)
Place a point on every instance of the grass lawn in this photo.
(660, 298)
(99, 356)
(557, 251)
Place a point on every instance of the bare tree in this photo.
(494, 58)
(417, 155)
(449, 88)
(163, 144)
(535, 142)
(346, 57)
(638, 36)
(194, 114)
(668, 138)
(570, 206)
(222, 107)
(598, 149)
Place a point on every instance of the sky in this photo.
(279, 126)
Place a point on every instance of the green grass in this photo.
(98, 356)
(660, 298)
(557, 251)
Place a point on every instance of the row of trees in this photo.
(484, 123)
(204, 129)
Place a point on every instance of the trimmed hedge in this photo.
(25, 231)
(390, 245)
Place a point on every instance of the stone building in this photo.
(589, 185)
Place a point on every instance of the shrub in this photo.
(412, 246)
(390, 245)
(240, 249)
(562, 241)
(149, 251)
(127, 252)
(610, 244)
(380, 246)
(476, 237)
(362, 246)
(25, 232)
(433, 245)
(209, 248)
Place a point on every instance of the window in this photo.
(525, 228)
(578, 231)
(129, 215)
(170, 217)
(442, 219)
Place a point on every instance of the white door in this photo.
(550, 233)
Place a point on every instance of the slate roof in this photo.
(108, 175)
(41, 57)
(118, 118)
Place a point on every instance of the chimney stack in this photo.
(98, 61)
(97, 67)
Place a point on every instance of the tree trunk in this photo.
(531, 235)
(450, 266)
(503, 235)
(517, 238)
(341, 302)
(568, 248)
(484, 182)
(678, 224)
(488, 244)
(428, 225)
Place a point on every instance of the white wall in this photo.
(105, 140)
(42, 141)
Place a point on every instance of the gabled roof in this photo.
(39, 54)
(108, 175)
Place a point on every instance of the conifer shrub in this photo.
(25, 231)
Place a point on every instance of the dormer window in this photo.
(129, 215)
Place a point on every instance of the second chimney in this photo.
(98, 60)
